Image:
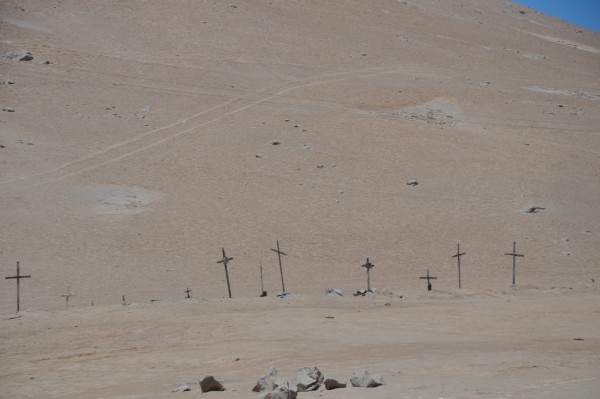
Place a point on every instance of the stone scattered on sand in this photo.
(308, 379)
(8, 109)
(18, 55)
(259, 155)
(332, 383)
(333, 292)
(275, 142)
(283, 391)
(412, 183)
(211, 383)
(360, 293)
(45, 62)
(7, 82)
(283, 294)
(533, 209)
(362, 378)
(268, 382)
(182, 388)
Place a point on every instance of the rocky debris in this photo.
(283, 391)
(333, 292)
(45, 62)
(8, 109)
(268, 382)
(412, 183)
(283, 294)
(211, 383)
(331, 383)
(308, 379)
(18, 55)
(533, 209)
(275, 142)
(182, 388)
(7, 82)
(362, 378)
(320, 166)
(259, 155)
(360, 293)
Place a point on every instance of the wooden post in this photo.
(428, 278)
(224, 261)
(457, 256)
(368, 265)
(514, 254)
(279, 253)
(67, 296)
(18, 277)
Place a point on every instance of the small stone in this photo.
(412, 183)
(533, 209)
(7, 82)
(182, 388)
(363, 54)
(333, 292)
(2, 146)
(45, 62)
(331, 383)
(320, 166)
(362, 378)
(258, 155)
(26, 57)
(275, 142)
(8, 109)
(296, 125)
(211, 383)
(283, 391)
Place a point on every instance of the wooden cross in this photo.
(67, 296)
(18, 277)
(224, 261)
(369, 266)
(187, 291)
(428, 278)
(514, 254)
(279, 253)
(457, 256)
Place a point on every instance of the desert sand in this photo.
(138, 139)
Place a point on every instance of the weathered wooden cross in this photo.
(187, 291)
(225, 261)
(67, 296)
(514, 254)
(279, 253)
(18, 277)
(428, 278)
(457, 256)
(368, 265)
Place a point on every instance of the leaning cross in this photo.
(457, 256)
(224, 261)
(369, 266)
(279, 253)
(67, 296)
(18, 277)
(428, 278)
(514, 254)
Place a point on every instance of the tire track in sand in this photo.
(152, 138)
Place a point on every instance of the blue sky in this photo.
(584, 13)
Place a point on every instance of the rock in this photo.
(45, 62)
(331, 383)
(275, 142)
(211, 383)
(2, 146)
(533, 209)
(308, 379)
(412, 183)
(268, 382)
(258, 155)
(26, 57)
(7, 82)
(283, 391)
(182, 388)
(362, 378)
(360, 292)
(8, 109)
(333, 292)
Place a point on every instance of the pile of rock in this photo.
(309, 379)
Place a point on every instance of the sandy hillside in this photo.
(144, 136)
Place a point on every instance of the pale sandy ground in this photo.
(145, 146)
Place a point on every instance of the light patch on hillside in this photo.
(114, 200)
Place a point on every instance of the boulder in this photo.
(362, 378)
(283, 391)
(331, 383)
(308, 379)
(211, 383)
(268, 382)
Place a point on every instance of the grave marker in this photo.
(514, 254)
(457, 256)
(428, 278)
(18, 277)
(368, 265)
(279, 253)
(225, 261)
